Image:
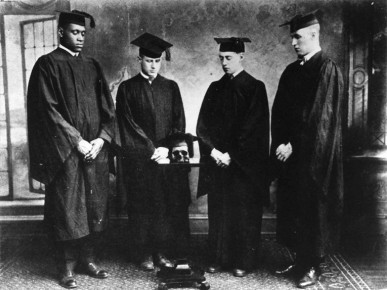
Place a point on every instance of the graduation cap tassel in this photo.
(168, 54)
(92, 22)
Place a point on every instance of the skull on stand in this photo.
(180, 153)
(180, 147)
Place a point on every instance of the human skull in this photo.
(180, 154)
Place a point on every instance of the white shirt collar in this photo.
(231, 76)
(147, 77)
(144, 75)
(237, 72)
(308, 56)
(68, 50)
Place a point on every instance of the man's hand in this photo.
(97, 145)
(164, 161)
(216, 155)
(84, 147)
(283, 152)
(160, 153)
(225, 160)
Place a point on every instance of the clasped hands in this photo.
(283, 152)
(91, 149)
(223, 160)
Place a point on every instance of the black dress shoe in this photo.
(161, 261)
(67, 280)
(239, 273)
(147, 264)
(310, 278)
(289, 270)
(212, 269)
(93, 271)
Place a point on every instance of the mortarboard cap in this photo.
(301, 21)
(235, 44)
(75, 17)
(152, 46)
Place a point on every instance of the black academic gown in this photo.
(157, 204)
(69, 100)
(307, 113)
(234, 118)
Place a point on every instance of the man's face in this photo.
(150, 66)
(303, 41)
(231, 61)
(72, 36)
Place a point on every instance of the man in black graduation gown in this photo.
(70, 124)
(306, 152)
(233, 127)
(149, 109)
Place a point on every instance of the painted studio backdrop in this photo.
(28, 30)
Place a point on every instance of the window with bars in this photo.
(24, 38)
(5, 145)
(38, 37)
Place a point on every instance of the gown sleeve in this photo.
(51, 138)
(203, 127)
(136, 143)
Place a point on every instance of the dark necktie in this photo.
(302, 60)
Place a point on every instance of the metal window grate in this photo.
(6, 178)
(38, 37)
